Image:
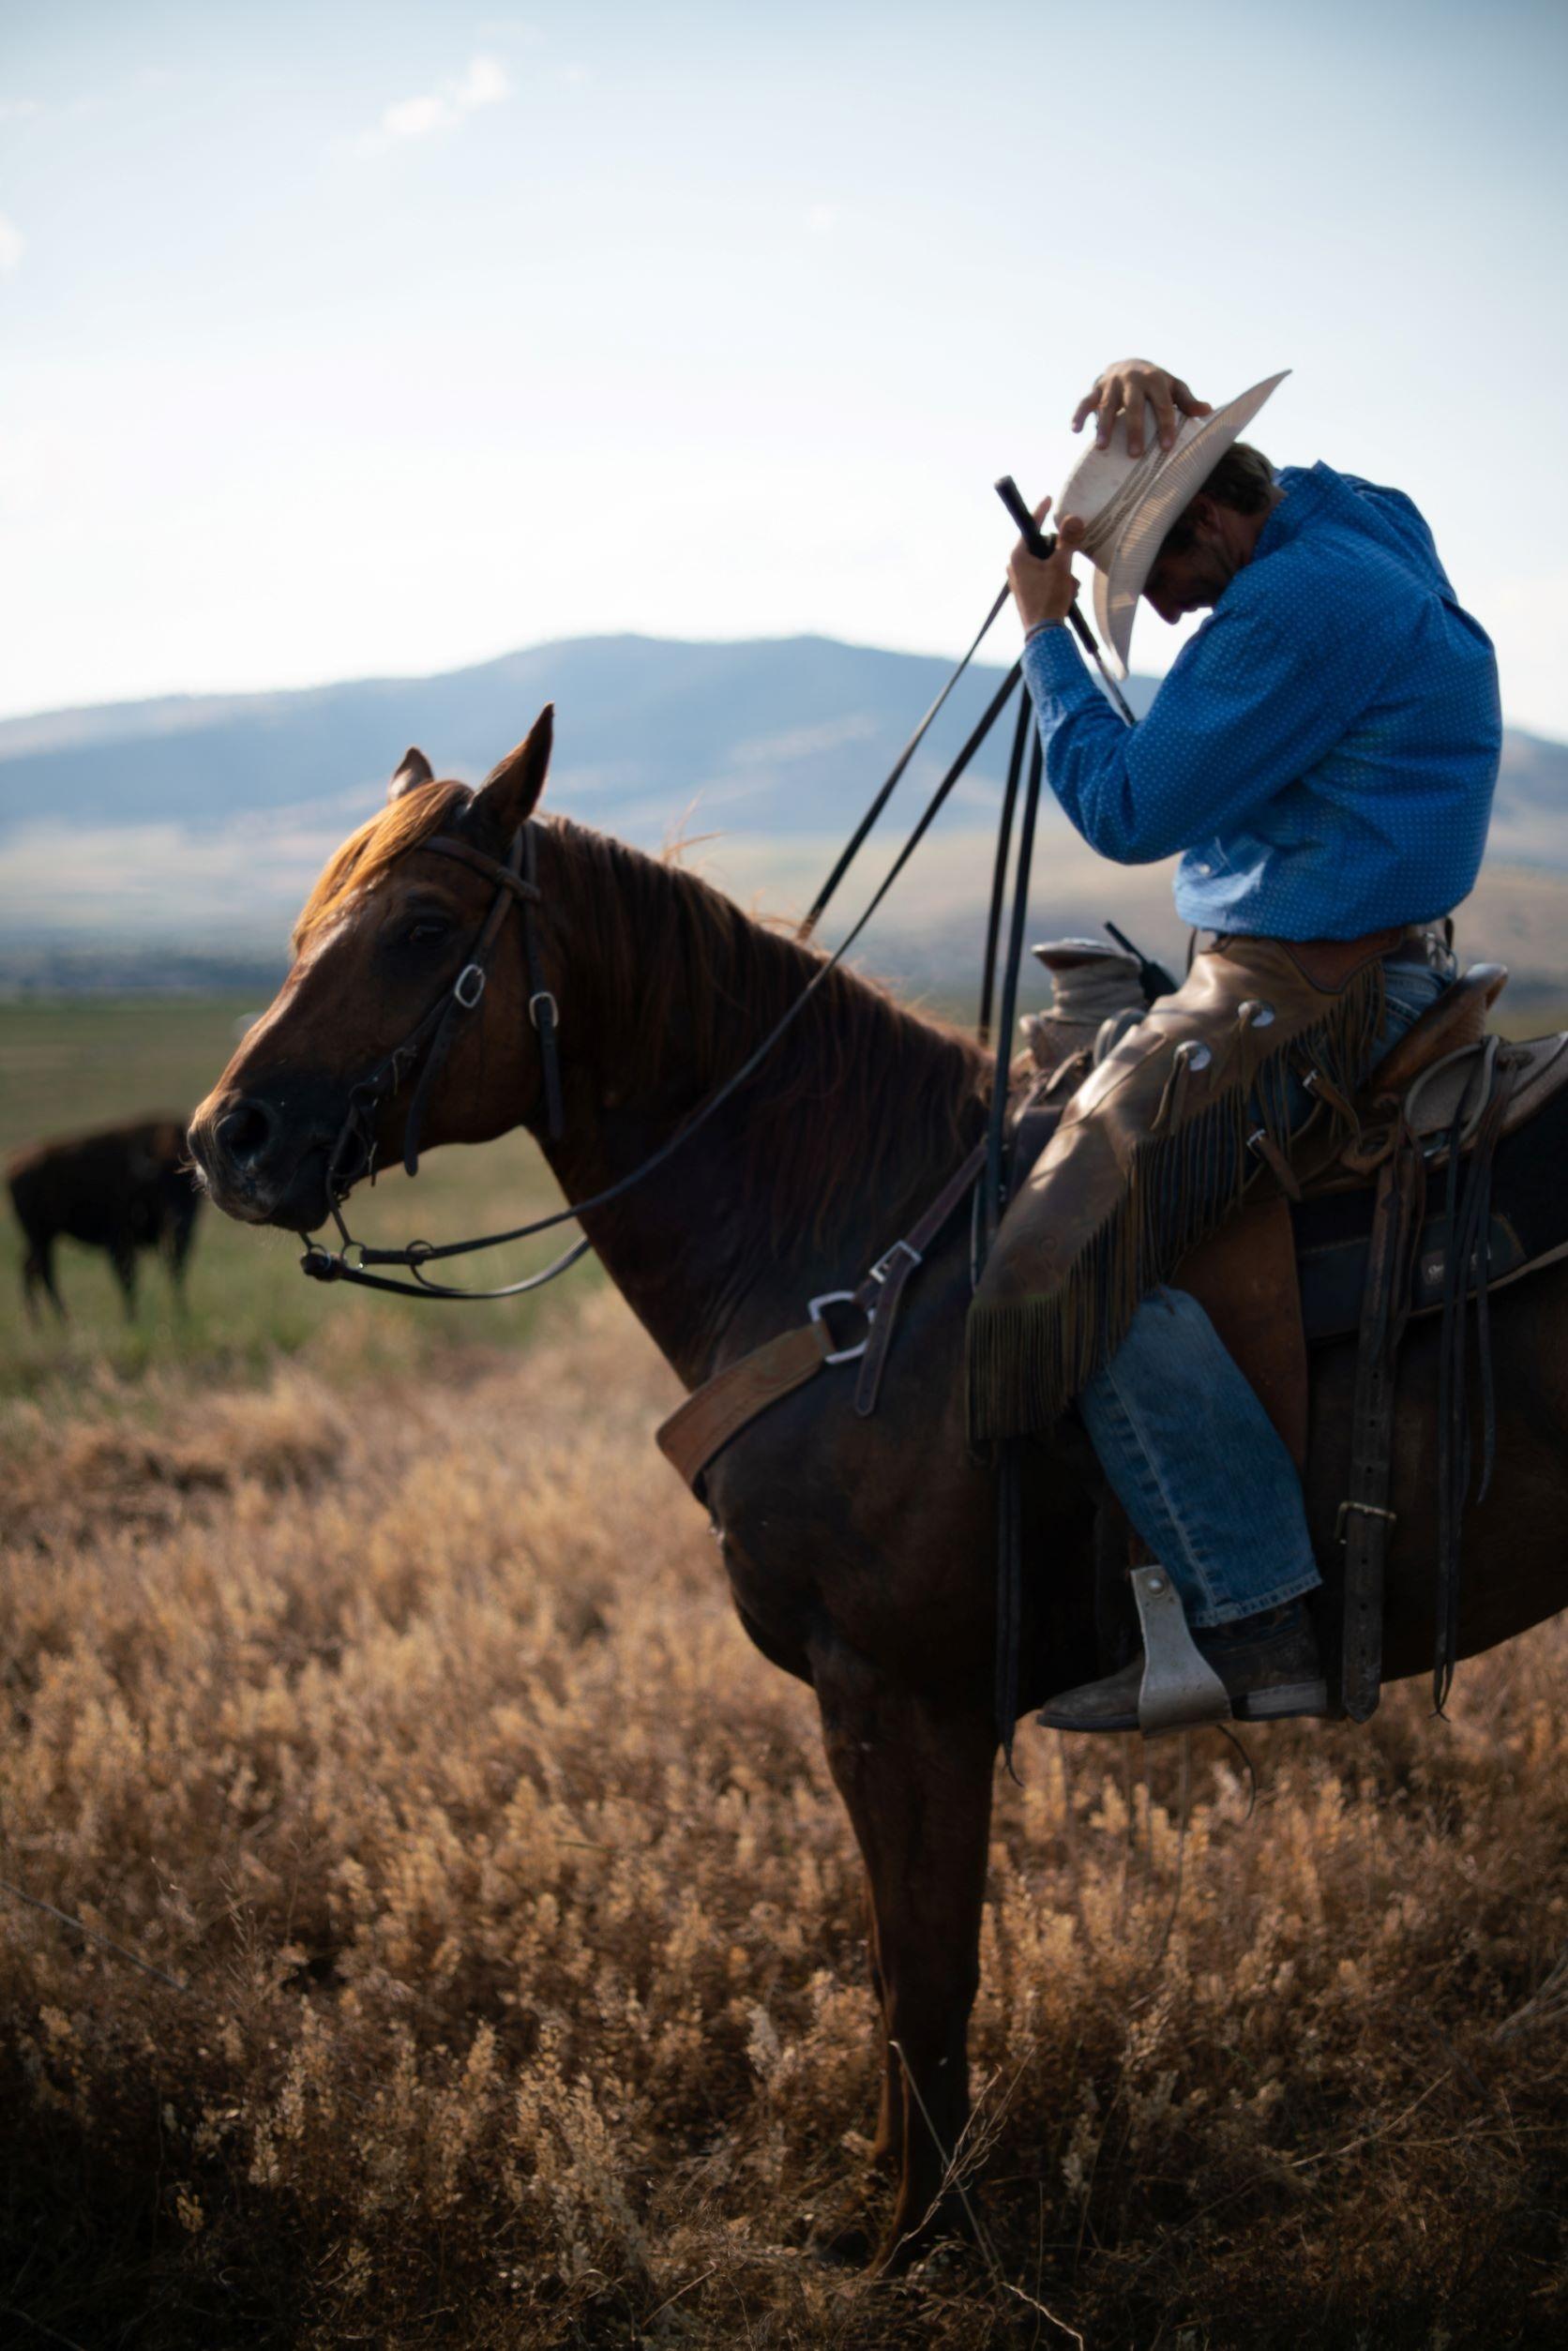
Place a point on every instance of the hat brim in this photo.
(1121, 574)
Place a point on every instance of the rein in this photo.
(515, 879)
(432, 1035)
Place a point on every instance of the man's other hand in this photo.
(1044, 588)
(1126, 386)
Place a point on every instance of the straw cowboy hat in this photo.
(1130, 503)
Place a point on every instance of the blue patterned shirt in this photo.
(1323, 751)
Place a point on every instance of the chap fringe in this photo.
(1026, 1363)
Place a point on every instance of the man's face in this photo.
(1220, 543)
(1188, 582)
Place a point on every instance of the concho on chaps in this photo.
(1156, 1151)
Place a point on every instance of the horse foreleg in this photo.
(916, 1778)
(887, 2148)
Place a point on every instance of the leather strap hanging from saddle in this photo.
(1154, 1155)
(1366, 1520)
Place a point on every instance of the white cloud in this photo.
(486, 83)
(12, 245)
(823, 219)
(19, 110)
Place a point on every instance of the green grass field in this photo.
(87, 1062)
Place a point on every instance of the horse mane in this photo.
(367, 853)
(861, 1097)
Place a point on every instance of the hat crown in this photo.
(1128, 503)
(1106, 485)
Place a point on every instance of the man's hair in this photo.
(1243, 480)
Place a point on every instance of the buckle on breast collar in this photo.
(469, 986)
(884, 1264)
(543, 996)
(839, 1298)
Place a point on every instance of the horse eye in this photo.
(427, 930)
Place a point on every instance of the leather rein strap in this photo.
(1366, 1520)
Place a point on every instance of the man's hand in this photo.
(1126, 385)
(1044, 590)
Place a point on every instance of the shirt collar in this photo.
(1307, 491)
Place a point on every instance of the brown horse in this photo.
(860, 1551)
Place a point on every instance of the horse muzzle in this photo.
(257, 1164)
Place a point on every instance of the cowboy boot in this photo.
(1268, 1663)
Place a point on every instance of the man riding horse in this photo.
(1324, 755)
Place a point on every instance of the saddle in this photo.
(1442, 1191)
(1440, 1075)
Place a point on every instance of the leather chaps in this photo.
(1157, 1148)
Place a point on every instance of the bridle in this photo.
(425, 1049)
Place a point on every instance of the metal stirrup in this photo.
(1180, 1686)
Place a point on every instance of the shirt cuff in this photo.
(1052, 664)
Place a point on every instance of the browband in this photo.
(491, 867)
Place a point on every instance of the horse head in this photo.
(381, 983)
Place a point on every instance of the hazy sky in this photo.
(357, 338)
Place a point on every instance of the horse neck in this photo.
(856, 1119)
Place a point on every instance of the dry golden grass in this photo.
(409, 1726)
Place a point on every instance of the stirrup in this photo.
(1180, 1688)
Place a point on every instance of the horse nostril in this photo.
(244, 1133)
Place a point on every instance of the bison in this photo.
(120, 1188)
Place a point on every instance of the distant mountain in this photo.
(198, 822)
(767, 737)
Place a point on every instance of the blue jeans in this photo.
(1190, 1454)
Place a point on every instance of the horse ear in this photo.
(510, 793)
(412, 770)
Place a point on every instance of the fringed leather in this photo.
(1105, 1226)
